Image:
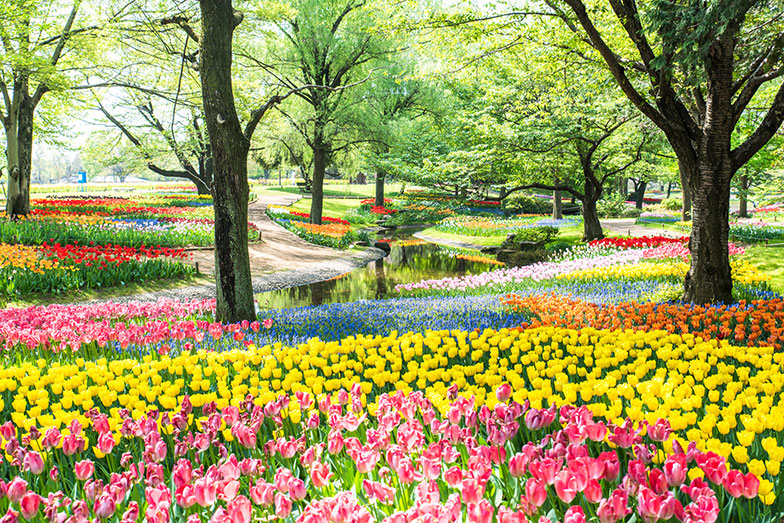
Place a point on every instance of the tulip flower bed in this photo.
(756, 231)
(507, 424)
(57, 269)
(659, 217)
(334, 232)
(653, 259)
(169, 221)
(483, 226)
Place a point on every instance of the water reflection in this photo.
(406, 263)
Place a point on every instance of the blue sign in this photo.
(82, 177)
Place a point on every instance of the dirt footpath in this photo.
(279, 249)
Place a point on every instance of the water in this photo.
(406, 263)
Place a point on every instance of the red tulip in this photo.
(84, 469)
(239, 510)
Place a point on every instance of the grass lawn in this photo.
(333, 207)
(769, 260)
(572, 235)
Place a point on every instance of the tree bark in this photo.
(685, 194)
(19, 153)
(639, 193)
(592, 228)
(557, 202)
(229, 148)
(380, 180)
(743, 208)
(709, 278)
(317, 189)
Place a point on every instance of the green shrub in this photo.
(612, 206)
(526, 204)
(536, 234)
(672, 204)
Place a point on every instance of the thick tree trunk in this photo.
(380, 179)
(201, 187)
(592, 228)
(230, 154)
(317, 189)
(19, 153)
(557, 204)
(743, 207)
(709, 279)
(623, 186)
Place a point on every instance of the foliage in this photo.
(520, 203)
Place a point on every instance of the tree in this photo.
(38, 41)
(704, 63)
(154, 100)
(330, 45)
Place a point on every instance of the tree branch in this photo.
(764, 132)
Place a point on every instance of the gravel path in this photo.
(281, 260)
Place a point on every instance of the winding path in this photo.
(282, 259)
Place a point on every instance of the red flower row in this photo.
(376, 209)
(637, 243)
(116, 254)
(306, 216)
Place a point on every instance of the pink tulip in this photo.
(503, 392)
(481, 512)
(574, 514)
(262, 493)
(29, 504)
(675, 469)
(454, 477)
(613, 508)
(104, 506)
(34, 462)
(593, 491)
(566, 485)
(378, 491)
(472, 490)
(714, 466)
(16, 489)
(282, 505)
(297, 489)
(545, 469)
(206, 491)
(239, 510)
(536, 491)
(84, 469)
(660, 430)
(517, 465)
(751, 485)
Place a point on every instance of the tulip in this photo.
(536, 492)
(262, 493)
(29, 505)
(517, 465)
(104, 506)
(574, 514)
(675, 469)
(453, 477)
(239, 510)
(503, 392)
(282, 505)
(481, 512)
(16, 489)
(472, 490)
(34, 462)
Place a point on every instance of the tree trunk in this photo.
(557, 202)
(639, 194)
(229, 148)
(743, 209)
(592, 228)
(19, 153)
(669, 189)
(317, 189)
(685, 194)
(380, 179)
(709, 279)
